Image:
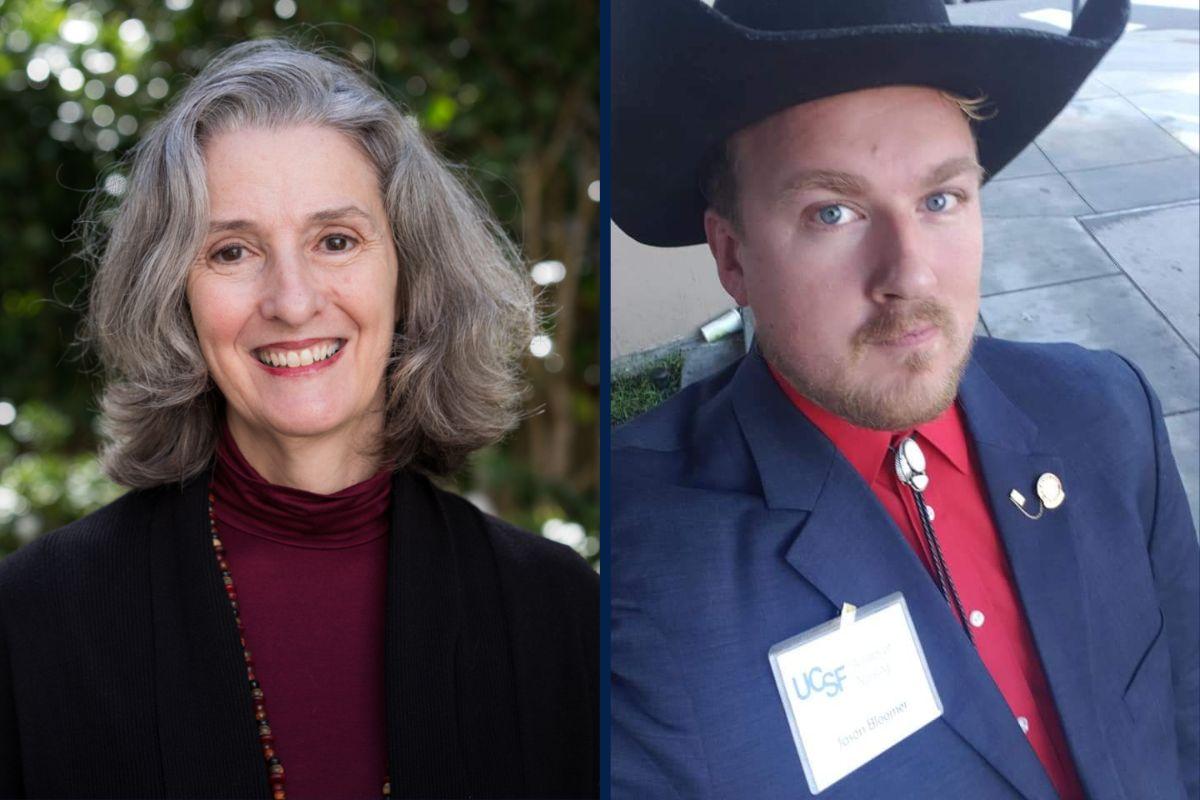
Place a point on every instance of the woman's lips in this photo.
(308, 369)
(298, 344)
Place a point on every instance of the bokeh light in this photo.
(125, 85)
(540, 346)
(70, 79)
(99, 62)
(545, 273)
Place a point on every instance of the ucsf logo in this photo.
(818, 680)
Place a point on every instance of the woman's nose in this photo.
(292, 290)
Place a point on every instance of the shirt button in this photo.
(932, 516)
(1024, 723)
(976, 619)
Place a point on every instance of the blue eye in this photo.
(942, 201)
(836, 214)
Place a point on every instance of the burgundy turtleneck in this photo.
(310, 572)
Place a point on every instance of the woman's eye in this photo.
(228, 255)
(942, 201)
(836, 214)
(338, 243)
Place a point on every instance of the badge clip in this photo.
(1018, 500)
(847, 618)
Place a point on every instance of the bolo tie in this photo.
(910, 469)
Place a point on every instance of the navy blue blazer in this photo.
(737, 524)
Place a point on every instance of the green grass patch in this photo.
(638, 392)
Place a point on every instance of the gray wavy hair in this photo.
(466, 310)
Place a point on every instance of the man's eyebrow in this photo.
(847, 183)
(325, 215)
(830, 179)
(953, 168)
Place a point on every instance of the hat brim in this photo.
(685, 78)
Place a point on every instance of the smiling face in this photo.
(293, 295)
(858, 246)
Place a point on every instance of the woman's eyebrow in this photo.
(325, 215)
(335, 214)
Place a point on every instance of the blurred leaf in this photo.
(440, 112)
(41, 426)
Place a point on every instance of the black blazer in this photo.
(121, 674)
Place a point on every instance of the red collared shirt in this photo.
(974, 557)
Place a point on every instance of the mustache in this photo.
(895, 321)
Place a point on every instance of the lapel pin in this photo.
(1050, 495)
(1050, 490)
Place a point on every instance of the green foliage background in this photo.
(507, 87)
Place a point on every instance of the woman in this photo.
(303, 315)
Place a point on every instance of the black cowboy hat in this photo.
(685, 77)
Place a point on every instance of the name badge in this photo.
(854, 687)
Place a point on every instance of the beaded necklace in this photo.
(266, 738)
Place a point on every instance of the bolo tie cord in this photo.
(909, 473)
(945, 582)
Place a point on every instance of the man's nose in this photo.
(903, 258)
(293, 291)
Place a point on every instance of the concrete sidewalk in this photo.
(1093, 234)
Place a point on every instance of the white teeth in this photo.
(298, 358)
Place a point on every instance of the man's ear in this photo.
(725, 244)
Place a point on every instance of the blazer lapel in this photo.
(851, 551)
(1045, 565)
(207, 738)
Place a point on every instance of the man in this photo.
(1022, 500)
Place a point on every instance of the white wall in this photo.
(660, 294)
